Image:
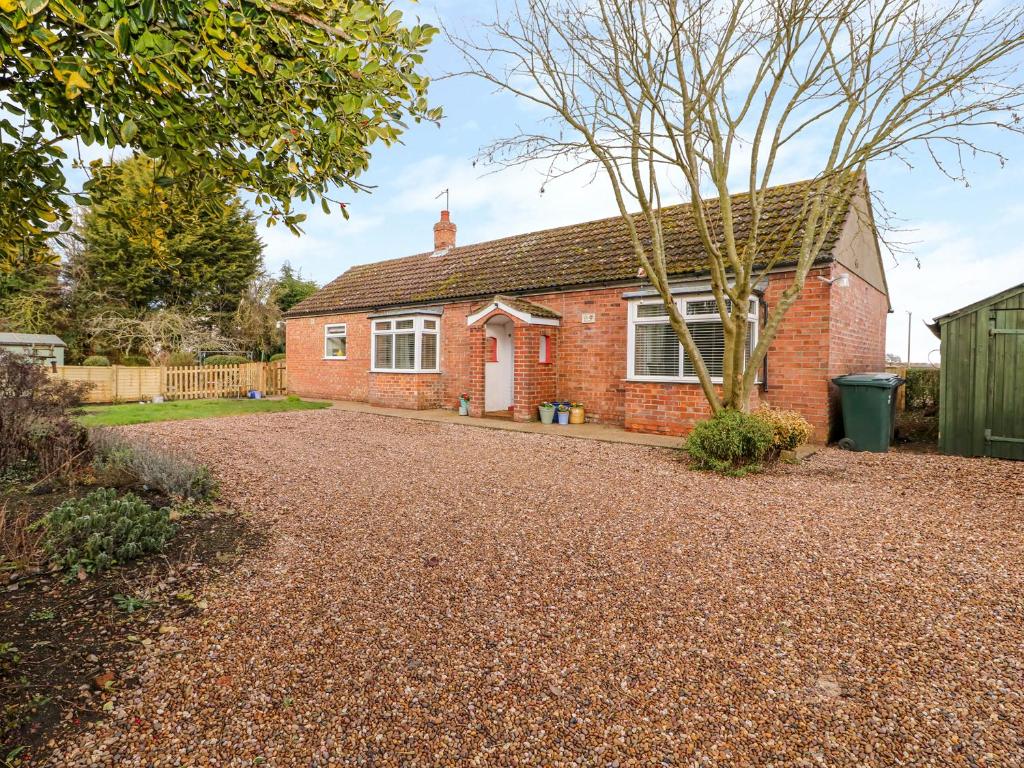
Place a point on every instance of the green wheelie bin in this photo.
(869, 410)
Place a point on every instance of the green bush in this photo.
(138, 361)
(733, 442)
(278, 356)
(101, 360)
(922, 389)
(181, 359)
(790, 430)
(225, 360)
(101, 530)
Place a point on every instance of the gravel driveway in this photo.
(444, 595)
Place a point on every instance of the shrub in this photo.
(917, 426)
(101, 530)
(19, 541)
(181, 358)
(137, 361)
(169, 471)
(790, 430)
(732, 442)
(225, 360)
(100, 360)
(922, 389)
(277, 356)
(35, 415)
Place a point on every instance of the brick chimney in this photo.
(444, 233)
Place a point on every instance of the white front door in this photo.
(499, 367)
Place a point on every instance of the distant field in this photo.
(136, 413)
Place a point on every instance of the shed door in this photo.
(1004, 425)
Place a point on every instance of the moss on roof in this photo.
(590, 253)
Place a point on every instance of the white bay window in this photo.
(655, 352)
(406, 345)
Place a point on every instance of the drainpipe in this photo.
(763, 305)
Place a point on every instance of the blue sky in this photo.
(966, 240)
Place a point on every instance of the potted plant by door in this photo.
(464, 404)
(576, 413)
(563, 413)
(547, 413)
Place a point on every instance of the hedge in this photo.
(922, 389)
(225, 360)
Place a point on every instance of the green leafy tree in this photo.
(291, 288)
(282, 98)
(144, 247)
(31, 300)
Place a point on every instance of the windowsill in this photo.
(674, 380)
(668, 380)
(406, 372)
(334, 358)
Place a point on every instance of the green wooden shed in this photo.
(981, 382)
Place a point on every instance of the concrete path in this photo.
(603, 432)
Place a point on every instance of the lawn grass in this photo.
(140, 413)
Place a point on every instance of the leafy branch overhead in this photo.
(281, 98)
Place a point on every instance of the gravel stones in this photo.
(436, 594)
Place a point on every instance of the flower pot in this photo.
(576, 415)
(563, 417)
(463, 407)
(547, 415)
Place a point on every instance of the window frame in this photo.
(328, 334)
(418, 331)
(753, 317)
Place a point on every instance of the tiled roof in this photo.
(518, 303)
(591, 253)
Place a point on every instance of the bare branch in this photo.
(664, 95)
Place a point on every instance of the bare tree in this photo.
(257, 321)
(156, 334)
(697, 96)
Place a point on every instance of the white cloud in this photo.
(958, 266)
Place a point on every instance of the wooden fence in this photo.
(121, 383)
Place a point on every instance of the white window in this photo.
(655, 353)
(406, 345)
(335, 342)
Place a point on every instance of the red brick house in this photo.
(562, 314)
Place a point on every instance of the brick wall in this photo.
(856, 338)
(797, 377)
(311, 376)
(405, 390)
(667, 409)
(828, 331)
